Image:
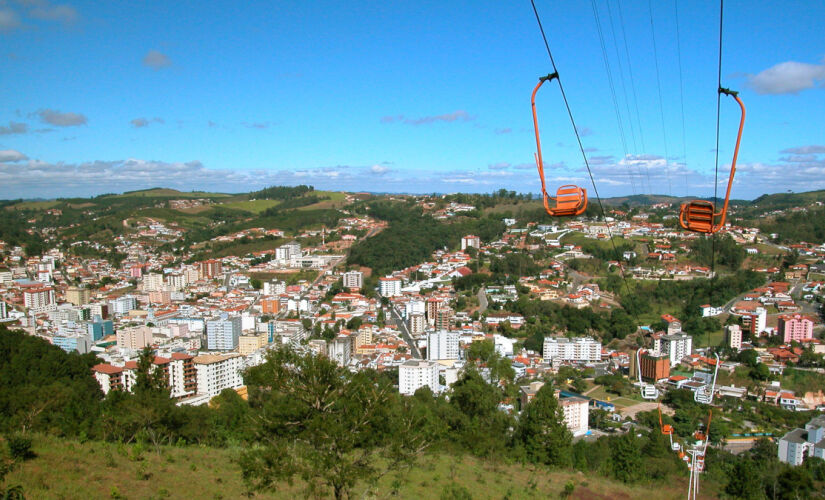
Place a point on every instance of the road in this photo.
(482, 300)
(405, 332)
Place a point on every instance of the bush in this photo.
(20, 447)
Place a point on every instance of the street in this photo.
(405, 332)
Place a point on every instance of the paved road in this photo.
(405, 332)
(482, 300)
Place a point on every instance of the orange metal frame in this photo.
(570, 199)
(700, 215)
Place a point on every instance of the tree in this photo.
(324, 424)
(742, 483)
(542, 430)
(626, 458)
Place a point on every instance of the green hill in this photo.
(65, 468)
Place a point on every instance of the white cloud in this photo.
(10, 155)
(14, 128)
(459, 115)
(145, 122)
(60, 119)
(804, 150)
(789, 77)
(65, 14)
(156, 60)
(379, 169)
(9, 20)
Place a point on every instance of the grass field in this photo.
(34, 205)
(254, 206)
(69, 469)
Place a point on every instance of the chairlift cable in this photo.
(584, 156)
(659, 87)
(611, 85)
(635, 97)
(681, 97)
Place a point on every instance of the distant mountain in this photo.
(788, 200)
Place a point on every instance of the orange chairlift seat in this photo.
(570, 199)
(701, 215)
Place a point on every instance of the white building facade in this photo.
(417, 373)
(576, 349)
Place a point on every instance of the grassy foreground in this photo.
(70, 469)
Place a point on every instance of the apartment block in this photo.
(353, 279)
(222, 334)
(796, 327)
(218, 372)
(576, 349)
(134, 337)
(389, 287)
(417, 373)
(442, 344)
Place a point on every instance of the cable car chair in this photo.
(701, 215)
(667, 430)
(570, 199)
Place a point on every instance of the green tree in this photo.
(324, 424)
(742, 481)
(626, 458)
(542, 431)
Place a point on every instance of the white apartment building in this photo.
(575, 349)
(4, 312)
(182, 375)
(153, 282)
(39, 300)
(222, 334)
(274, 287)
(734, 333)
(417, 373)
(288, 251)
(675, 347)
(218, 372)
(122, 305)
(576, 412)
(415, 306)
(176, 282)
(417, 323)
(442, 344)
(389, 287)
(353, 279)
(797, 444)
(134, 337)
(470, 241)
(339, 349)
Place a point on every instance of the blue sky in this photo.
(404, 96)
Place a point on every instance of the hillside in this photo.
(70, 469)
(787, 200)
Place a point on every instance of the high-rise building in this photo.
(442, 344)
(444, 318)
(222, 333)
(4, 311)
(218, 372)
(209, 269)
(183, 377)
(675, 347)
(796, 327)
(340, 349)
(99, 328)
(575, 349)
(40, 299)
(432, 307)
(470, 241)
(134, 337)
(755, 322)
(734, 334)
(654, 368)
(389, 287)
(153, 282)
(77, 296)
(122, 305)
(353, 279)
(247, 344)
(417, 323)
(417, 373)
